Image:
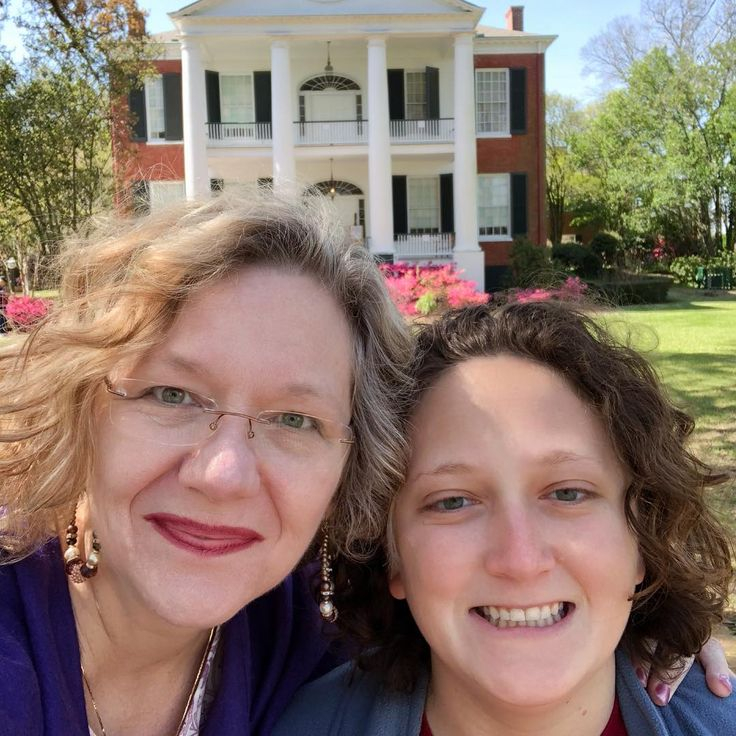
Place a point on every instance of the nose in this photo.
(519, 543)
(224, 465)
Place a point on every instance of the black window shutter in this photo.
(432, 92)
(447, 212)
(262, 94)
(172, 107)
(519, 224)
(137, 107)
(212, 87)
(401, 218)
(396, 109)
(517, 87)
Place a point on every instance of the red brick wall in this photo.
(154, 162)
(519, 153)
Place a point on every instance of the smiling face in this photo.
(194, 533)
(513, 550)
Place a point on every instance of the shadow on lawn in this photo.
(683, 368)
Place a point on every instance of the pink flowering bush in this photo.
(426, 290)
(572, 290)
(24, 311)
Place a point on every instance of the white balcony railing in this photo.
(328, 132)
(434, 247)
(239, 134)
(331, 132)
(441, 130)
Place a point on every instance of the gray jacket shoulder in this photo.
(694, 710)
(350, 702)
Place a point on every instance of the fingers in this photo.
(661, 686)
(717, 674)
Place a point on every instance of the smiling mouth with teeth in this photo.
(534, 617)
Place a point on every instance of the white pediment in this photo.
(240, 9)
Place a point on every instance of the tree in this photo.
(661, 150)
(564, 121)
(689, 27)
(57, 110)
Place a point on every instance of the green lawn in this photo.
(692, 341)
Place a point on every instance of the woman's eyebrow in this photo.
(443, 469)
(560, 457)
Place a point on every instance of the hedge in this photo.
(645, 290)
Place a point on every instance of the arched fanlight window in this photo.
(329, 81)
(331, 187)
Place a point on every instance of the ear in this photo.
(396, 586)
(640, 567)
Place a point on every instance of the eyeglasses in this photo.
(177, 417)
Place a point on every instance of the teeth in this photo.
(534, 616)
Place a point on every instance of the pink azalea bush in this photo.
(24, 311)
(572, 290)
(426, 290)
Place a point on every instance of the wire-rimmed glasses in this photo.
(174, 416)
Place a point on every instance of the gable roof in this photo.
(203, 9)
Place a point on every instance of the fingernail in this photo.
(641, 676)
(726, 680)
(662, 692)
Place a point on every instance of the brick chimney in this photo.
(515, 18)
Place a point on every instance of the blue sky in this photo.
(573, 21)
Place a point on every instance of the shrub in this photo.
(685, 268)
(606, 246)
(571, 290)
(428, 290)
(577, 259)
(24, 311)
(527, 261)
(644, 290)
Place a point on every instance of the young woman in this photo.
(213, 385)
(552, 524)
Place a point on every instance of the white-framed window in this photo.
(163, 193)
(236, 98)
(423, 204)
(494, 206)
(415, 90)
(492, 101)
(155, 118)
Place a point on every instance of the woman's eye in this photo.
(172, 396)
(451, 503)
(568, 495)
(292, 420)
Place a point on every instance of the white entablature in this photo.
(331, 16)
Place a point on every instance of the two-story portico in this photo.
(386, 107)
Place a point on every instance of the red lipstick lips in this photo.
(205, 540)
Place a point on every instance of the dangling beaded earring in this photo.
(326, 586)
(78, 570)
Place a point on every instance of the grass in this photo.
(692, 341)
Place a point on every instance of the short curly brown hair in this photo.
(686, 551)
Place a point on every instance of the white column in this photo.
(468, 254)
(380, 200)
(282, 117)
(194, 107)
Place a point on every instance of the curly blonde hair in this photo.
(121, 288)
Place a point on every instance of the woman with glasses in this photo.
(551, 525)
(214, 386)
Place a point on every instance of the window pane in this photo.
(416, 107)
(491, 101)
(155, 108)
(493, 204)
(423, 195)
(236, 98)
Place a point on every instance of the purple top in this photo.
(269, 649)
